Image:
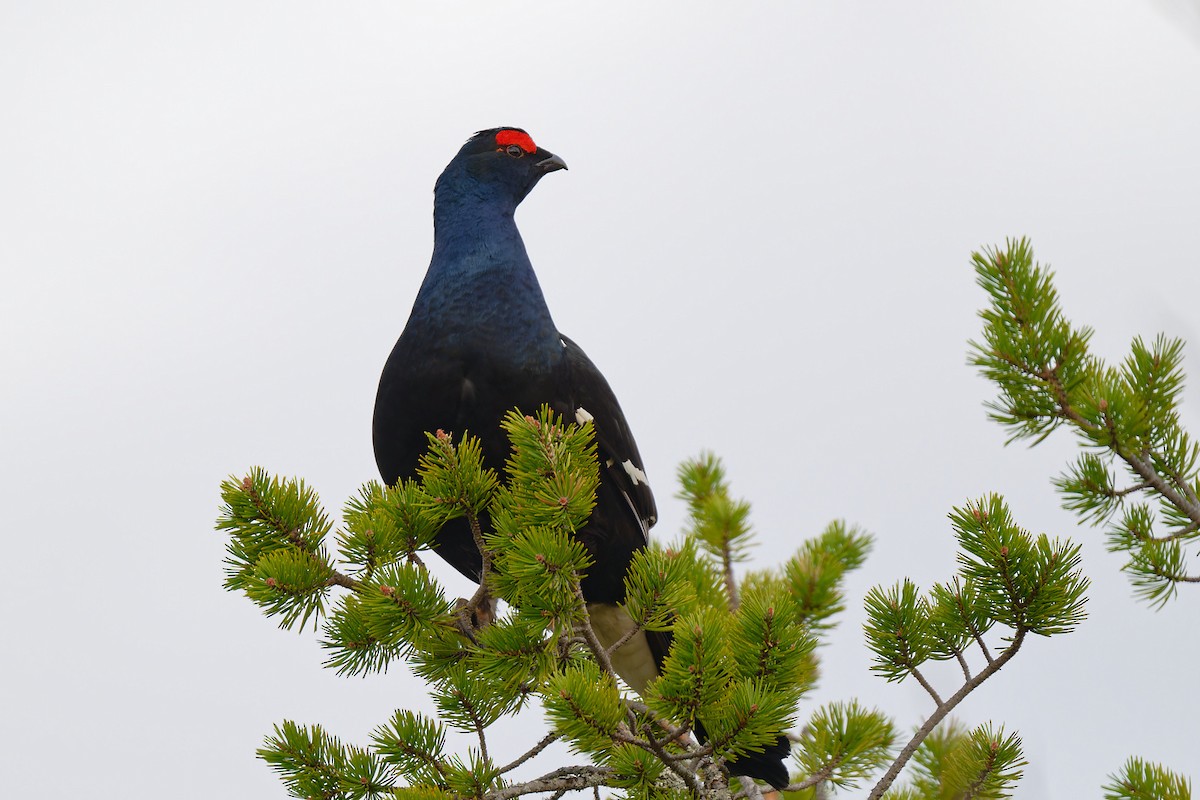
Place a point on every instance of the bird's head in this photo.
(501, 164)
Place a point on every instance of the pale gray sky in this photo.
(214, 217)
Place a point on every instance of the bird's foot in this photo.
(476, 613)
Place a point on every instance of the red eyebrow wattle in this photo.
(519, 138)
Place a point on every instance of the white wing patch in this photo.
(633, 662)
(582, 415)
(633, 472)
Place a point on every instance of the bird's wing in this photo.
(641, 658)
(621, 464)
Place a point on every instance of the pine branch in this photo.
(566, 779)
(673, 764)
(671, 734)
(1142, 780)
(1188, 505)
(940, 713)
(841, 744)
(1046, 378)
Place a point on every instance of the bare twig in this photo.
(340, 579)
(1117, 493)
(731, 587)
(658, 746)
(546, 741)
(750, 792)
(982, 646)
(589, 636)
(1175, 577)
(602, 658)
(565, 778)
(625, 637)
(1182, 533)
(962, 662)
(916, 673)
(816, 779)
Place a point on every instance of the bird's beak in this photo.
(551, 164)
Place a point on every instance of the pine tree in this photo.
(744, 655)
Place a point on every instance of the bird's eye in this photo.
(514, 151)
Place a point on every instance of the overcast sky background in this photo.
(214, 218)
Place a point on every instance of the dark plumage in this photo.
(479, 342)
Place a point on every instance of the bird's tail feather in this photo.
(768, 765)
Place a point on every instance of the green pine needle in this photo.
(353, 648)
(401, 604)
(815, 574)
(453, 475)
(957, 616)
(290, 583)
(844, 743)
(263, 514)
(636, 771)
(749, 717)
(898, 630)
(552, 472)
(986, 764)
(473, 777)
(414, 745)
(1127, 415)
(769, 640)
(697, 669)
(466, 703)
(662, 584)
(952, 762)
(718, 521)
(314, 764)
(584, 706)
(1027, 583)
(1144, 780)
(385, 524)
(538, 571)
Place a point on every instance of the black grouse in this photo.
(479, 342)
